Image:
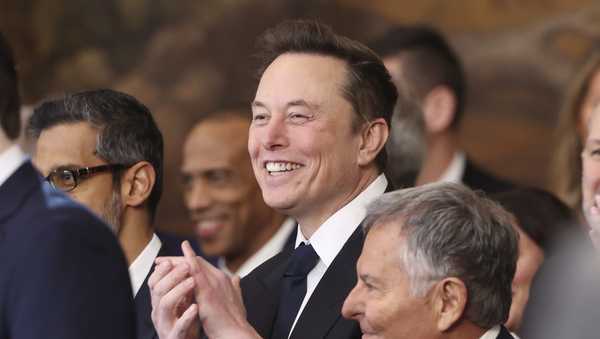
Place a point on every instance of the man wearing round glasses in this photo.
(104, 149)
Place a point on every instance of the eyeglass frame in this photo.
(82, 173)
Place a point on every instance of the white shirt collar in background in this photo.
(141, 266)
(456, 170)
(492, 333)
(10, 161)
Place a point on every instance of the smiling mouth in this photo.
(280, 167)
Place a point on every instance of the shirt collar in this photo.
(492, 333)
(11, 160)
(140, 267)
(456, 169)
(273, 246)
(331, 236)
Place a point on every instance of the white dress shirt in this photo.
(268, 250)
(331, 236)
(456, 170)
(10, 161)
(140, 267)
(492, 333)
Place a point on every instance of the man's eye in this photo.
(298, 117)
(595, 153)
(259, 118)
(65, 175)
(219, 177)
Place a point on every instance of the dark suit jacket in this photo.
(321, 318)
(171, 246)
(62, 272)
(479, 179)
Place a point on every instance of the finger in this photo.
(184, 323)
(235, 280)
(168, 282)
(159, 272)
(174, 261)
(190, 255)
(175, 298)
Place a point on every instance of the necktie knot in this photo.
(303, 260)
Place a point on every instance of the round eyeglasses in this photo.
(66, 179)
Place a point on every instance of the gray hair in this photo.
(452, 231)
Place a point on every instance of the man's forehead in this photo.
(302, 76)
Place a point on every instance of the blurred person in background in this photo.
(540, 219)
(571, 132)
(426, 69)
(590, 180)
(62, 272)
(406, 146)
(103, 149)
(231, 220)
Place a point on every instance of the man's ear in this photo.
(137, 183)
(449, 302)
(439, 109)
(373, 138)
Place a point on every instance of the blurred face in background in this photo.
(220, 191)
(529, 261)
(590, 183)
(590, 101)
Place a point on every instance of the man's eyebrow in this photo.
(302, 102)
(68, 166)
(593, 141)
(297, 102)
(257, 103)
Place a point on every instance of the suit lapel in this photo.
(261, 292)
(143, 308)
(143, 303)
(324, 307)
(16, 188)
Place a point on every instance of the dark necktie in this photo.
(301, 263)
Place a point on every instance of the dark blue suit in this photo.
(62, 272)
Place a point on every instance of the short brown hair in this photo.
(369, 87)
(10, 119)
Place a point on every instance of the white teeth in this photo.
(281, 166)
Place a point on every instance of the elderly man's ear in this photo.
(137, 183)
(449, 302)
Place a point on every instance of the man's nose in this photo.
(352, 305)
(198, 196)
(275, 134)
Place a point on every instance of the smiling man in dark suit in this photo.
(320, 122)
(62, 273)
(437, 263)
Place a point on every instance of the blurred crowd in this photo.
(338, 203)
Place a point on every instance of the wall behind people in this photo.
(190, 57)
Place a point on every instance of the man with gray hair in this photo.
(438, 262)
